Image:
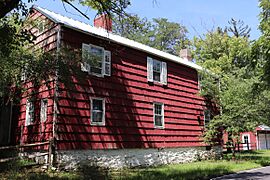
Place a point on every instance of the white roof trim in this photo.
(77, 25)
(264, 127)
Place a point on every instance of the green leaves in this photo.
(243, 102)
(158, 33)
(109, 7)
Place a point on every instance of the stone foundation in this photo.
(127, 158)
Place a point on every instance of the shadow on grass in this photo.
(7, 166)
(91, 172)
(174, 174)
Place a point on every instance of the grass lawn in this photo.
(196, 170)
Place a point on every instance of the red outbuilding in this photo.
(257, 140)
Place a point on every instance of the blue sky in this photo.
(197, 15)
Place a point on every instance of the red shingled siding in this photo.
(129, 103)
(37, 132)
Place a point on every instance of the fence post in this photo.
(51, 153)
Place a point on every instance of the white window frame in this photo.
(43, 110)
(105, 62)
(162, 115)
(41, 26)
(150, 71)
(204, 116)
(29, 115)
(23, 75)
(102, 123)
(243, 142)
(160, 75)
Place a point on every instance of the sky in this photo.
(199, 16)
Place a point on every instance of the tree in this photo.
(14, 55)
(242, 105)
(102, 6)
(238, 28)
(133, 27)
(261, 47)
(169, 36)
(158, 33)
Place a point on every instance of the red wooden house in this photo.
(126, 103)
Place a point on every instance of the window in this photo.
(97, 111)
(156, 71)
(207, 117)
(43, 110)
(96, 60)
(43, 24)
(158, 115)
(246, 141)
(29, 114)
(24, 73)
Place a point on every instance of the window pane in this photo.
(207, 116)
(157, 66)
(158, 120)
(97, 104)
(158, 109)
(107, 68)
(97, 51)
(156, 76)
(29, 112)
(97, 116)
(43, 110)
(96, 56)
(96, 70)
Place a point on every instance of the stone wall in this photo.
(122, 158)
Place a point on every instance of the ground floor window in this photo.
(207, 117)
(97, 111)
(158, 110)
(29, 114)
(43, 110)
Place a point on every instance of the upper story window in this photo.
(30, 112)
(158, 110)
(43, 24)
(43, 110)
(97, 111)
(156, 71)
(96, 60)
(207, 116)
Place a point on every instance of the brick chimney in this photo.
(186, 54)
(103, 21)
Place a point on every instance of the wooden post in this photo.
(51, 152)
(266, 144)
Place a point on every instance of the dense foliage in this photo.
(242, 67)
(159, 33)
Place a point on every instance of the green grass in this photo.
(196, 170)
